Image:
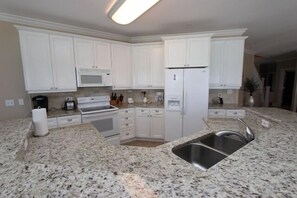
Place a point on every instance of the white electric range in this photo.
(103, 116)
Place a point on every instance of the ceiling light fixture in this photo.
(125, 11)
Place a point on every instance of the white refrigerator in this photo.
(186, 101)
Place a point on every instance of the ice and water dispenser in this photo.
(174, 103)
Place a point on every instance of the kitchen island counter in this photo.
(77, 161)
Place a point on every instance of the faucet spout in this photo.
(249, 132)
(229, 132)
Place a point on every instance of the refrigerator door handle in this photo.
(185, 103)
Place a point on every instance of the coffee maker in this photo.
(40, 102)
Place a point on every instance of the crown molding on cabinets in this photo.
(61, 27)
(37, 23)
(216, 34)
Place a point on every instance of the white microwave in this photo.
(93, 77)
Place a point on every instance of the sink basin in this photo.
(226, 144)
(201, 156)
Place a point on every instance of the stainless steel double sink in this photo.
(208, 151)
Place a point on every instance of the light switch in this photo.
(21, 101)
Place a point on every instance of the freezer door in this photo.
(195, 99)
(173, 103)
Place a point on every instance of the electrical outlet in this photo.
(220, 95)
(69, 98)
(265, 123)
(21, 101)
(9, 103)
(229, 91)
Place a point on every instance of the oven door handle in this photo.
(97, 115)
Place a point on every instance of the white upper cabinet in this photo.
(102, 55)
(187, 51)
(148, 69)
(156, 74)
(92, 53)
(35, 48)
(63, 62)
(121, 66)
(48, 62)
(175, 53)
(226, 63)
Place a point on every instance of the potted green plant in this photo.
(251, 85)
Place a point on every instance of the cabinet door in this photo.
(198, 52)
(102, 55)
(121, 66)
(216, 64)
(63, 62)
(233, 64)
(175, 53)
(156, 66)
(141, 66)
(36, 58)
(84, 53)
(142, 126)
(157, 123)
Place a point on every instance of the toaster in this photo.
(69, 105)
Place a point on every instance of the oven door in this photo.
(107, 123)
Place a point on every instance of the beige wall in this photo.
(11, 74)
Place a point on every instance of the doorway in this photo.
(288, 86)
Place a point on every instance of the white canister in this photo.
(39, 118)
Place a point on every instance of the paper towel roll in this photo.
(39, 118)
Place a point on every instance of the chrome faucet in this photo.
(249, 133)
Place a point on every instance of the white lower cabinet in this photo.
(127, 124)
(150, 123)
(63, 121)
(52, 123)
(223, 113)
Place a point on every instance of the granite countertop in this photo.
(224, 106)
(140, 104)
(76, 161)
(60, 112)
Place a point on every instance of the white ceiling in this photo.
(272, 24)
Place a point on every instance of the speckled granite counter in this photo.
(224, 106)
(77, 162)
(140, 104)
(60, 112)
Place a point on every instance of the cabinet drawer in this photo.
(52, 123)
(127, 134)
(69, 120)
(216, 113)
(126, 125)
(126, 112)
(156, 111)
(127, 120)
(142, 111)
(235, 113)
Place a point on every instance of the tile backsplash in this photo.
(230, 96)
(56, 100)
